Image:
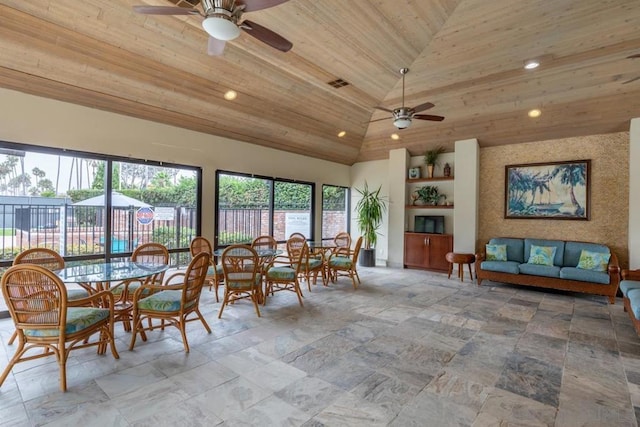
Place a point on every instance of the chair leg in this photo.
(204, 322)
(296, 288)
(225, 301)
(62, 363)
(16, 357)
(13, 337)
(182, 326)
(254, 298)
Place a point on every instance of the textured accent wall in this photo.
(609, 156)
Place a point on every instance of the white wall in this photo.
(634, 193)
(466, 190)
(40, 121)
(376, 174)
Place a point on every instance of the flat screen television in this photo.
(429, 224)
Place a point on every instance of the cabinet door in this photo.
(439, 245)
(415, 250)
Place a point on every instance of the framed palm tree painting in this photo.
(557, 190)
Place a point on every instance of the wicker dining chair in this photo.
(242, 276)
(214, 272)
(283, 274)
(44, 317)
(311, 266)
(345, 264)
(171, 303)
(342, 241)
(151, 253)
(51, 260)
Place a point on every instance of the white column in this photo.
(466, 190)
(398, 167)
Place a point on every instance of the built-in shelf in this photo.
(436, 178)
(429, 207)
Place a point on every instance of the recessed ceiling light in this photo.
(230, 95)
(395, 136)
(531, 64)
(534, 113)
(341, 134)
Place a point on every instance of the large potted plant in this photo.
(431, 159)
(370, 209)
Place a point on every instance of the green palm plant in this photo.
(370, 209)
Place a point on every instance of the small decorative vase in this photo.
(430, 171)
(447, 170)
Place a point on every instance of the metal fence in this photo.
(79, 230)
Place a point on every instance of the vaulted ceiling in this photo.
(464, 56)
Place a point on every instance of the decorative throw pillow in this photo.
(542, 255)
(596, 261)
(496, 252)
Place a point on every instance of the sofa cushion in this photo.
(573, 250)
(540, 270)
(496, 252)
(634, 302)
(515, 248)
(596, 261)
(501, 266)
(627, 285)
(574, 273)
(542, 255)
(558, 244)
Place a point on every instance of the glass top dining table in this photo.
(262, 252)
(99, 276)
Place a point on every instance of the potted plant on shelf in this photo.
(430, 195)
(370, 209)
(431, 159)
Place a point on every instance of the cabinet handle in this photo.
(425, 241)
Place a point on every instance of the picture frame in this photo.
(414, 173)
(551, 190)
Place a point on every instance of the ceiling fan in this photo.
(637, 55)
(402, 116)
(222, 21)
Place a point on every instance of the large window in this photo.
(89, 207)
(335, 210)
(249, 206)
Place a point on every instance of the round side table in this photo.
(460, 259)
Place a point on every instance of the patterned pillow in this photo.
(542, 255)
(496, 252)
(596, 261)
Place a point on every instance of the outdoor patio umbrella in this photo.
(117, 200)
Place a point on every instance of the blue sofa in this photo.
(564, 274)
(630, 287)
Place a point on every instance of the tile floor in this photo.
(408, 348)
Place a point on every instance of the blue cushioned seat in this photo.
(583, 275)
(162, 301)
(634, 301)
(540, 270)
(281, 273)
(501, 266)
(340, 262)
(627, 285)
(78, 318)
(76, 294)
(573, 250)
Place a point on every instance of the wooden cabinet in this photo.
(423, 250)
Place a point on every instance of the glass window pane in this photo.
(243, 208)
(335, 210)
(292, 210)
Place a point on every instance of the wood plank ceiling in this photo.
(465, 56)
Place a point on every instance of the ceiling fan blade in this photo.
(379, 120)
(165, 10)
(253, 5)
(267, 36)
(423, 107)
(428, 117)
(632, 80)
(637, 55)
(215, 47)
(384, 109)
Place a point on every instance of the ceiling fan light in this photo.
(402, 123)
(220, 28)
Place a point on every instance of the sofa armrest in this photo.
(614, 268)
(480, 256)
(631, 275)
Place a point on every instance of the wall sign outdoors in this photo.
(144, 216)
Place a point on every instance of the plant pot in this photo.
(430, 171)
(367, 258)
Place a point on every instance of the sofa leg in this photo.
(612, 299)
(478, 279)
